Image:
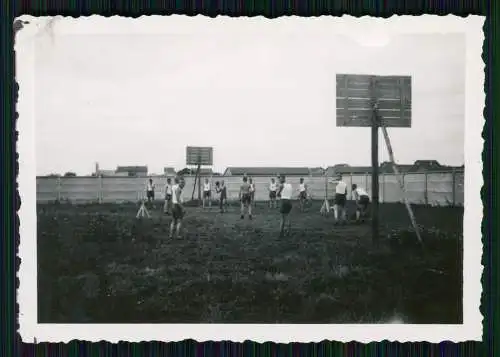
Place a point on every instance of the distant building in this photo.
(169, 171)
(386, 167)
(132, 171)
(316, 171)
(106, 173)
(333, 170)
(267, 171)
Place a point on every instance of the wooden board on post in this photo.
(374, 101)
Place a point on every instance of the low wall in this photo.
(421, 188)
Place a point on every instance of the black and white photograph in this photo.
(258, 175)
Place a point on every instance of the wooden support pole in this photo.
(453, 188)
(426, 189)
(194, 185)
(401, 183)
(199, 182)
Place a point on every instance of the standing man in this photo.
(339, 210)
(273, 187)
(252, 192)
(362, 201)
(285, 191)
(168, 197)
(222, 191)
(177, 207)
(302, 193)
(150, 190)
(207, 193)
(245, 198)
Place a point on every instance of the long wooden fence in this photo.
(434, 188)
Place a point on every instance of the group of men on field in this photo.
(282, 191)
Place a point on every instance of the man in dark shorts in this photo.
(362, 201)
(252, 191)
(245, 198)
(285, 191)
(168, 196)
(339, 210)
(221, 189)
(177, 207)
(273, 188)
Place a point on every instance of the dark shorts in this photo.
(177, 212)
(272, 194)
(364, 201)
(150, 194)
(246, 198)
(286, 206)
(207, 194)
(168, 197)
(302, 195)
(340, 199)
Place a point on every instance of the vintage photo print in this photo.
(294, 179)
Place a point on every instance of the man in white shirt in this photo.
(362, 201)
(285, 191)
(168, 196)
(177, 207)
(339, 210)
(302, 194)
(207, 193)
(273, 187)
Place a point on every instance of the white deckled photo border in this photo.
(471, 329)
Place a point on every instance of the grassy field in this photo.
(98, 264)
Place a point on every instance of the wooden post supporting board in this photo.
(375, 185)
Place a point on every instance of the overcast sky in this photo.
(260, 99)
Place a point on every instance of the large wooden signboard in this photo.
(199, 155)
(356, 94)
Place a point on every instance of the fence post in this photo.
(100, 189)
(366, 181)
(58, 188)
(453, 183)
(426, 192)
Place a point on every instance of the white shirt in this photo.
(358, 192)
(151, 186)
(341, 188)
(168, 189)
(207, 187)
(286, 192)
(252, 187)
(174, 196)
(272, 186)
(302, 187)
